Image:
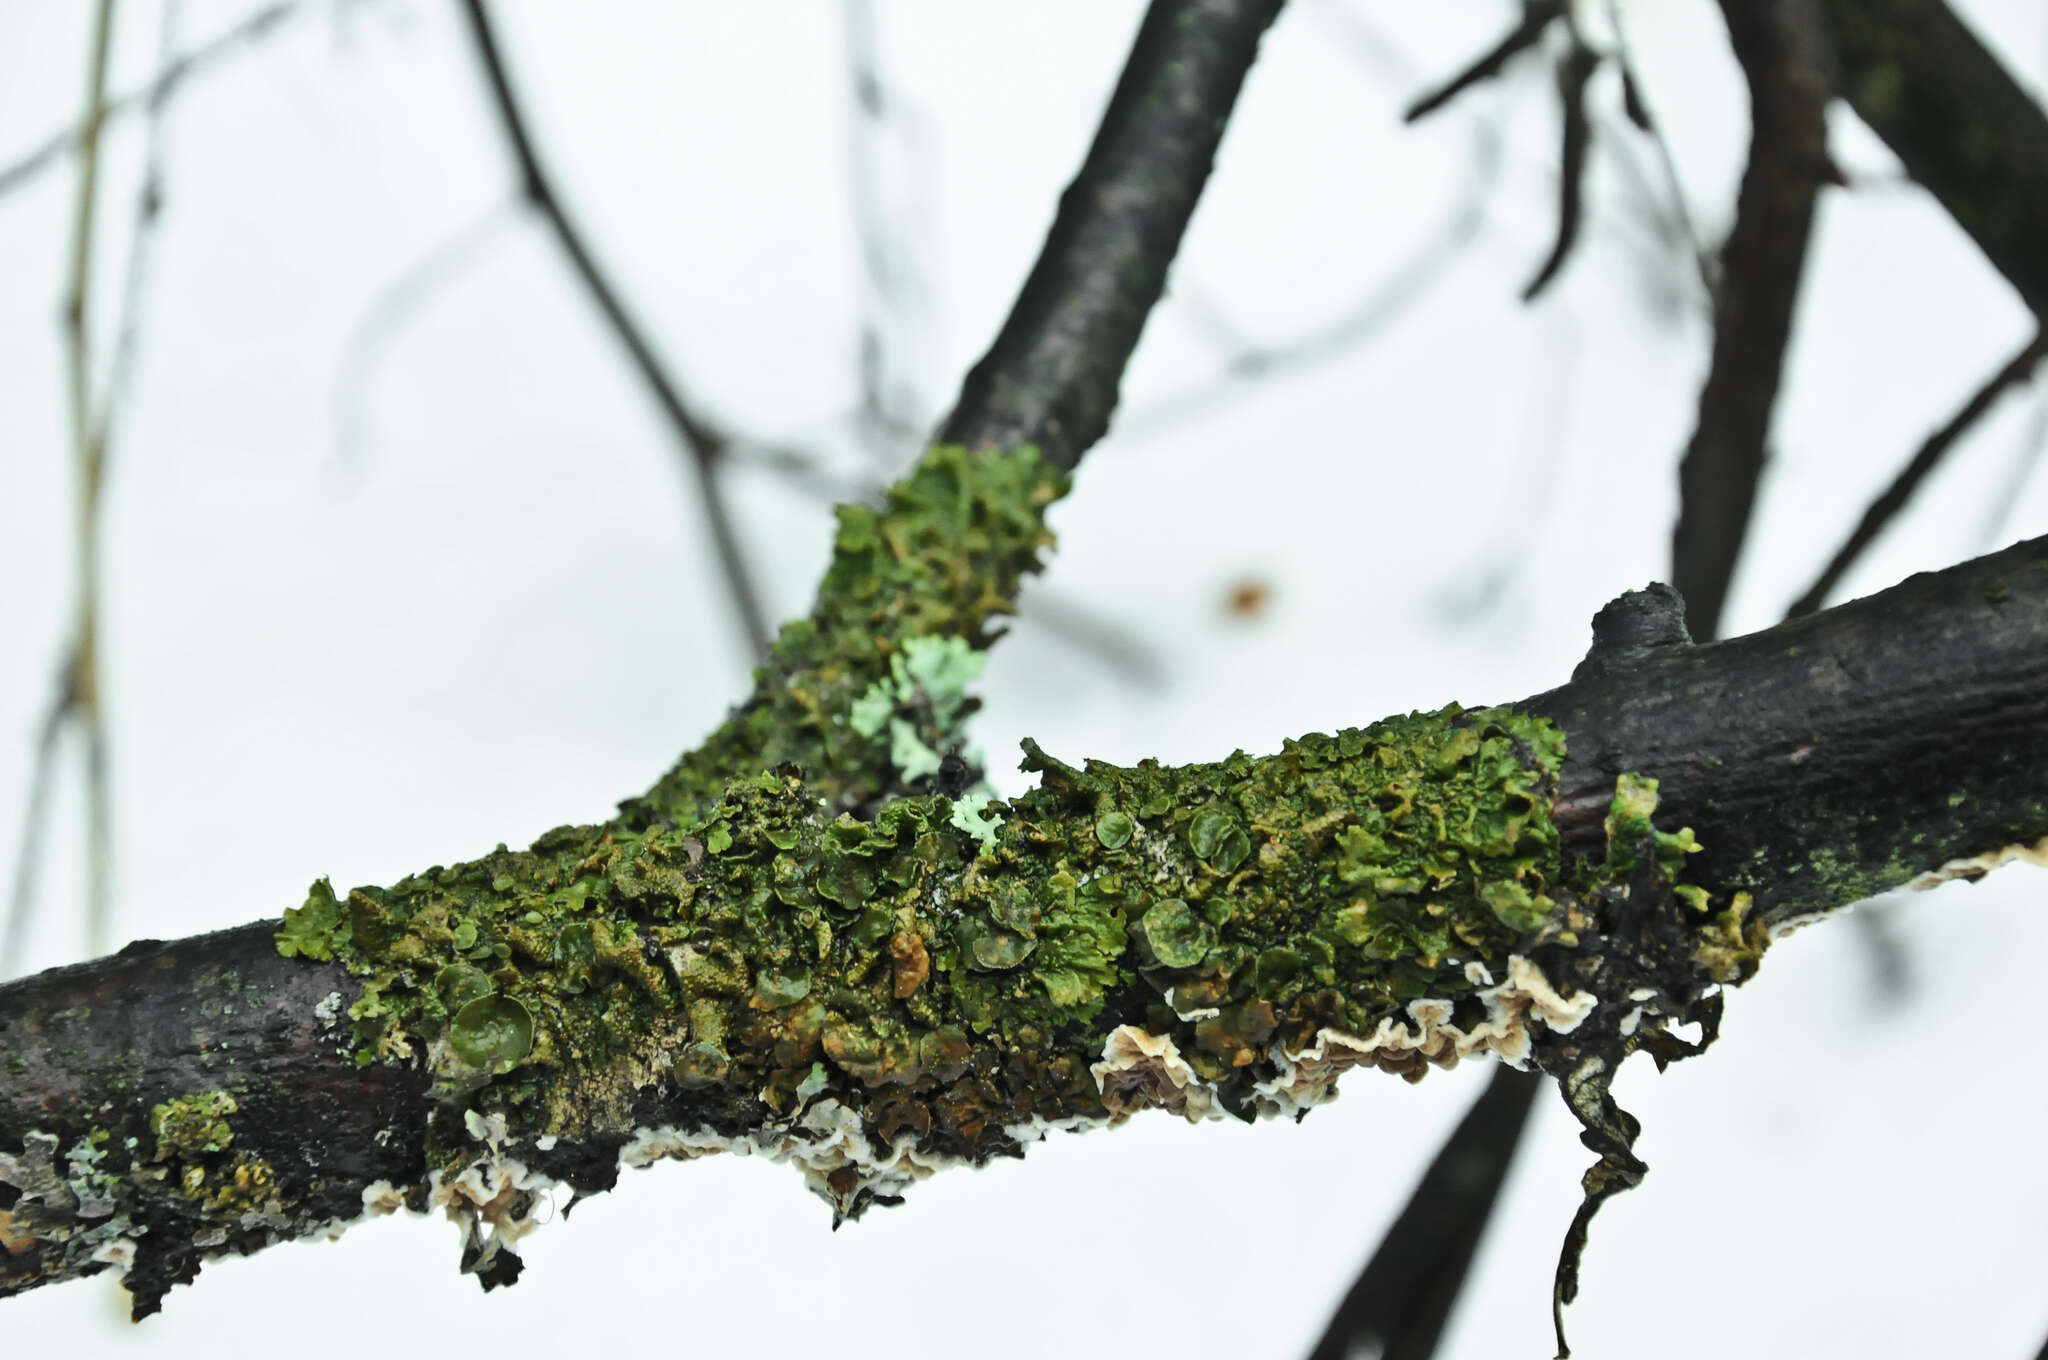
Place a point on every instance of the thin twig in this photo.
(28, 852)
(1052, 375)
(1397, 1308)
(701, 442)
(83, 687)
(893, 416)
(161, 87)
(1392, 296)
(1646, 119)
(135, 277)
(1761, 269)
(1574, 70)
(2032, 443)
(394, 306)
(1894, 498)
(1536, 17)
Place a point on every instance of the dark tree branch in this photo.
(1963, 127)
(1761, 268)
(1941, 673)
(1574, 69)
(1398, 1306)
(1818, 762)
(1895, 497)
(1536, 17)
(701, 441)
(1051, 377)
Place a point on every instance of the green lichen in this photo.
(970, 814)
(315, 930)
(967, 961)
(193, 1125)
(905, 609)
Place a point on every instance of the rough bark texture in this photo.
(91, 1051)
(1837, 755)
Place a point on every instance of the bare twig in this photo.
(166, 83)
(701, 442)
(135, 277)
(1958, 121)
(87, 458)
(1391, 297)
(1536, 17)
(28, 852)
(2032, 443)
(893, 414)
(388, 313)
(1645, 118)
(1761, 269)
(1397, 1308)
(1051, 377)
(1574, 69)
(1894, 498)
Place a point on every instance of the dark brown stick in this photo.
(1051, 377)
(1761, 267)
(1964, 128)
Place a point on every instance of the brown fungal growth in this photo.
(910, 964)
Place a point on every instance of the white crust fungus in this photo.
(1139, 1068)
(827, 1142)
(1975, 867)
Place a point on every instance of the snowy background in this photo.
(401, 563)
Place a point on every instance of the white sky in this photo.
(379, 603)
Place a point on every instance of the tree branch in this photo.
(701, 442)
(1397, 1308)
(1536, 17)
(610, 997)
(1761, 268)
(1963, 127)
(1051, 376)
(1895, 497)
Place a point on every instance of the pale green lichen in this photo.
(970, 814)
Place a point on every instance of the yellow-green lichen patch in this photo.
(193, 1125)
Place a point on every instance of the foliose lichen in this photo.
(946, 971)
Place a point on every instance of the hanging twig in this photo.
(1397, 1308)
(1574, 69)
(1536, 17)
(389, 312)
(1640, 114)
(701, 441)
